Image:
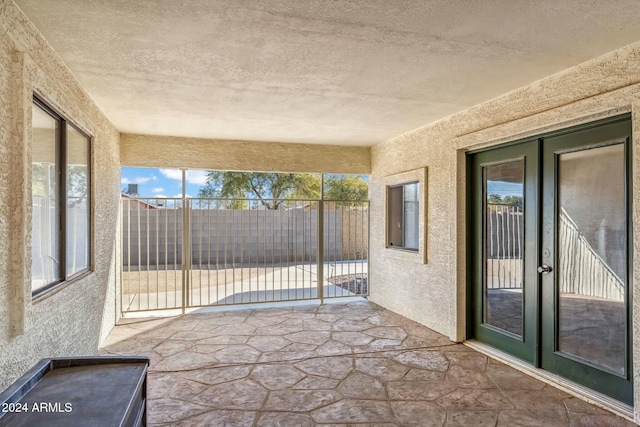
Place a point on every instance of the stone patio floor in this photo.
(336, 364)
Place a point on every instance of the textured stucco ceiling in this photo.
(353, 72)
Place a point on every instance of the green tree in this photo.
(271, 189)
(76, 184)
(307, 187)
(494, 199)
(346, 188)
(513, 201)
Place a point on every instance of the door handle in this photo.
(544, 269)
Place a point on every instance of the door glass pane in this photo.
(77, 256)
(503, 245)
(45, 267)
(592, 255)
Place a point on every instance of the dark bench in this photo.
(87, 391)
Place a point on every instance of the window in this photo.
(61, 200)
(403, 215)
(406, 216)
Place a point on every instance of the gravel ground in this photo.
(355, 283)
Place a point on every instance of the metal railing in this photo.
(504, 246)
(581, 270)
(152, 254)
(233, 251)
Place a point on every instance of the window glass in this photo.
(411, 216)
(403, 216)
(60, 188)
(395, 233)
(77, 210)
(45, 246)
(592, 259)
(504, 246)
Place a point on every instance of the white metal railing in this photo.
(233, 251)
(581, 270)
(504, 246)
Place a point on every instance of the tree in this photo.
(307, 187)
(494, 199)
(517, 201)
(76, 184)
(346, 188)
(271, 189)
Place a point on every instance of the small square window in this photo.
(403, 219)
(406, 216)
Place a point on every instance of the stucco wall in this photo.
(434, 293)
(73, 320)
(194, 153)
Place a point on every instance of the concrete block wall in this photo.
(153, 237)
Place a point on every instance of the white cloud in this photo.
(172, 174)
(157, 190)
(136, 180)
(179, 196)
(198, 177)
(160, 196)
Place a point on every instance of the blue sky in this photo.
(161, 183)
(504, 188)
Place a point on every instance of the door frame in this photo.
(472, 244)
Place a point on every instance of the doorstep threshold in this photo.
(578, 390)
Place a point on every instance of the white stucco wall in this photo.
(73, 320)
(434, 293)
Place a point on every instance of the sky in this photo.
(504, 188)
(162, 183)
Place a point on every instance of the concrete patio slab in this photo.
(335, 364)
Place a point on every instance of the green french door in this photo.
(505, 201)
(550, 253)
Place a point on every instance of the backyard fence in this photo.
(197, 252)
(504, 246)
(237, 236)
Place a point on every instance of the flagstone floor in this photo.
(336, 364)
